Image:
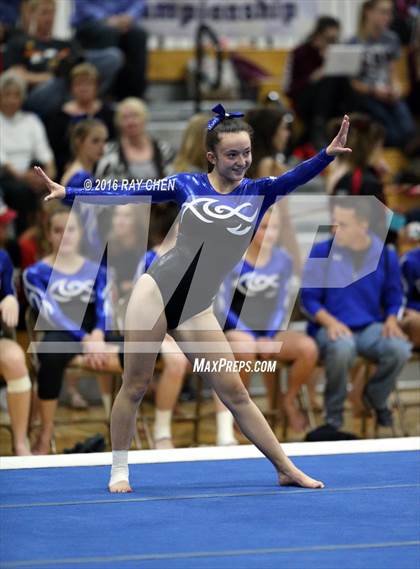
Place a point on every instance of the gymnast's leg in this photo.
(140, 327)
(229, 387)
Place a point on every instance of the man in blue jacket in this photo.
(353, 297)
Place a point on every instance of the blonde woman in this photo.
(135, 154)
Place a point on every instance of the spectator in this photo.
(33, 242)
(85, 103)
(7, 237)
(87, 141)
(45, 62)
(12, 358)
(271, 133)
(376, 89)
(414, 70)
(410, 267)
(363, 168)
(192, 155)
(369, 137)
(88, 138)
(253, 308)
(111, 23)
(357, 318)
(135, 154)
(24, 143)
(63, 287)
(315, 98)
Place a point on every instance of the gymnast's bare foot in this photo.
(122, 487)
(296, 477)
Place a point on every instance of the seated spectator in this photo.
(61, 288)
(12, 358)
(360, 318)
(114, 23)
(253, 307)
(271, 133)
(175, 363)
(191, 156)
(45, 62)
(33, 242)
(24, 143)
(414, 70)
(315, 98)
(87, 142)
(410, 268)
(368, 137)
(136, 154)
(7, 234)
(88, 139)
(376, 90)
(85, 103)
(362, 172)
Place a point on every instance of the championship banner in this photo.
(232, 18)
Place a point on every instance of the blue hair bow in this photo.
(221, 115)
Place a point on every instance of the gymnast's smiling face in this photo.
(232, 155)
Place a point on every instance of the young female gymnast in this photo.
(220, 212)
(60, 285)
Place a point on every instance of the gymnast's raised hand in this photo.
(338, 144)
(57, 191)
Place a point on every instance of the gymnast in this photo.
(220, 212)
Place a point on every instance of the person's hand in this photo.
(126, 22)
(317, 74)
(113, 21)
(391, 329)
(395, 92)
(95, 349)
(122, 22)
(9, 311)
(338, 145)
(56, 191)
(381, 167)
(382, 93)
(337, 329)
(409, 316)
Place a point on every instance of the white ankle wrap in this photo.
(119, 470)
(19, 385)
